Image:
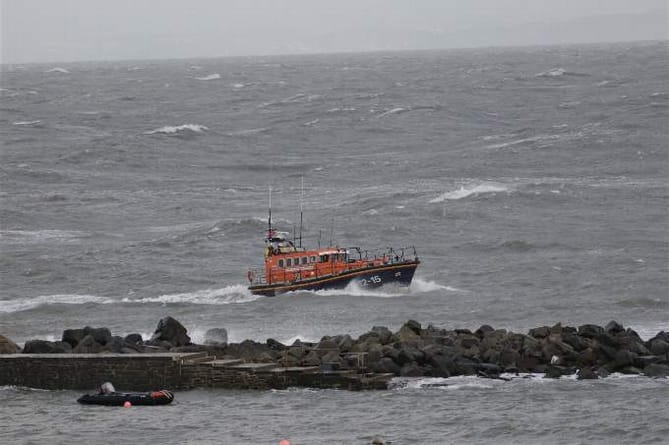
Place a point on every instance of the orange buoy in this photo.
(127, 404)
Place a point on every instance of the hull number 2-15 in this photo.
(371, 281)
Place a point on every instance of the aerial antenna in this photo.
(269, 219)
(332, 231)
(301, 202)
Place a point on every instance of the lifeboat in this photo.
(290, 268)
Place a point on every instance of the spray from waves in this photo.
(558, 72)
(57, 70)
(418, 286)
(465, 192)
(26, 304)
(179, 128)
(210, 77)
(236, 293)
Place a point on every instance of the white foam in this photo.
(236, 293)
(210, 77)
(393, 111)
(539, 138)
(238, 85)
(555, 72)
(57, 70)
(38, 236)
(465, 192)
(26, 122)
(31, 303)
(420, 286)
(250, 132)
(354, 289)
(175, 129)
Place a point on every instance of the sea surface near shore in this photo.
(532, 182)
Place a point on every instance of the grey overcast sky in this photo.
(74, 30)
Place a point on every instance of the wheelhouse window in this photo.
(305, 260)
(289, 262)
(312, 259)
(281, 263)
(325, 258)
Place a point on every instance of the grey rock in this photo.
(613, 327)
(87, 345)
(216, 336)
(172, 331)
(42, 347)
(656, 370)
(73, 336)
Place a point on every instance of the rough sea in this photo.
(531, 181)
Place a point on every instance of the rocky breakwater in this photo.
(590, 351)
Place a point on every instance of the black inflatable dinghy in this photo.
(119, 398)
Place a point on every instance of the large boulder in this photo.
(590, 330)
(659, 345)
(171, 331)
(656, 370)
(613, 327)
(45, 347)
(101, 336)
(386, 365)
(7, 346)
(216, 337)
(133, 339)
(73, 336)
(88, 345)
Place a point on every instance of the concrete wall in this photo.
(145, 372)
(132, 372)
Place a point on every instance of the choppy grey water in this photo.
(532, 181)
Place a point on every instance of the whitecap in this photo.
(25, 304)
(555, 72)
(393, 111)
(539, 138)
(465, 192)
(310, 123)
(38, 236)
(57, 70)
(210, 77)
(26, 123)
(250, 132)
(175, 129)
(238, 85)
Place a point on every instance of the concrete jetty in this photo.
(175, 371)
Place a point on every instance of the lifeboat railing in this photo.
(391, 254)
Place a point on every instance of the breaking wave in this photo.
(558, 72)
(236, 293)
(465, 192)
(179, 128)
(210, 77)
(40, 236)
(44, 300)
(57, 70)
(26, 123)
(418, 286)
